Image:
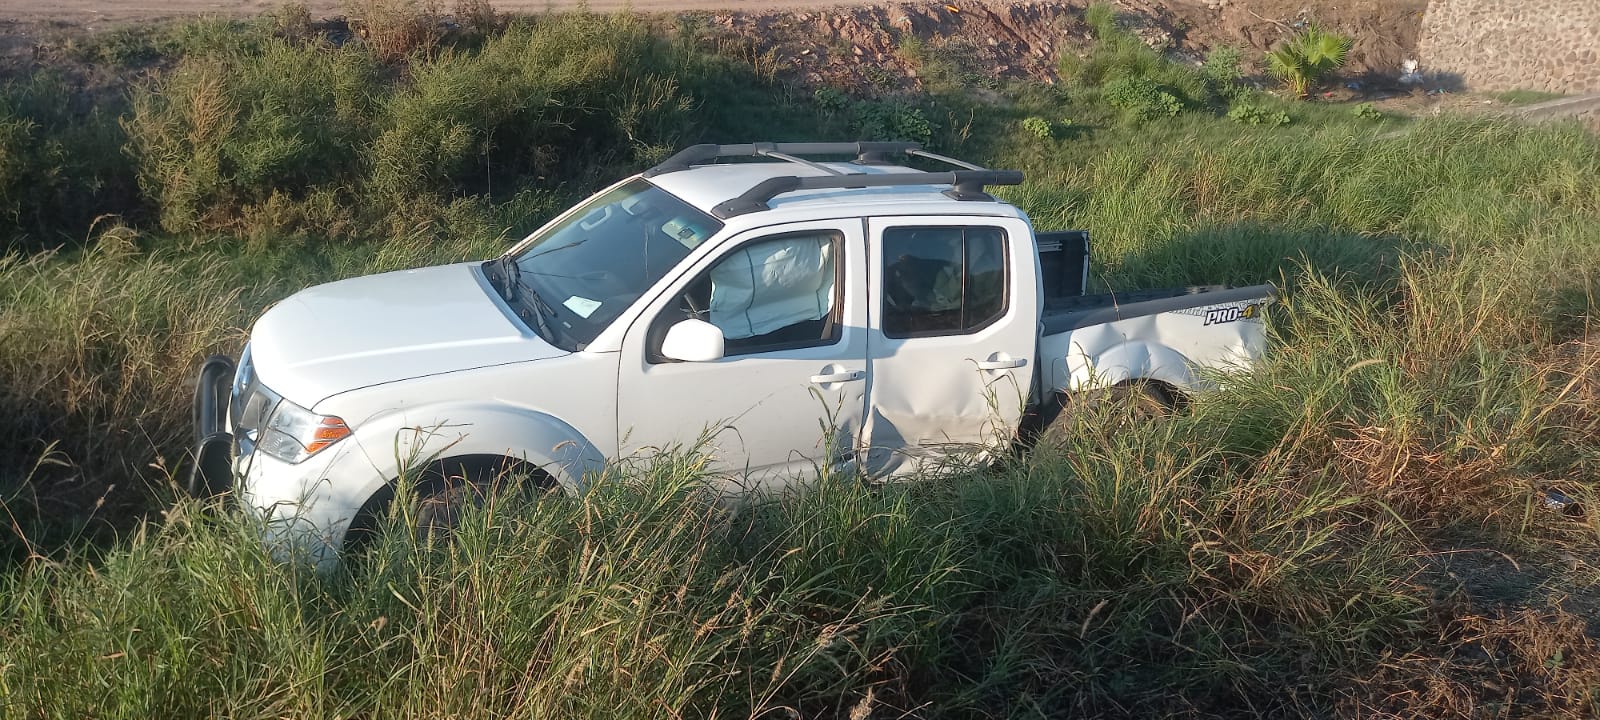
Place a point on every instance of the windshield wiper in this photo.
(515, 289)
(569, 245)
(500, 276)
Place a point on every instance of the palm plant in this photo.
(1307, 58)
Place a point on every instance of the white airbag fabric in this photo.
(771, 285)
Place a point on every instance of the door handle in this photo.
(838, 377)
(1001, 364)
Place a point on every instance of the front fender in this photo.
(399, 442)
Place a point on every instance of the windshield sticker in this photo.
(686, 234)
(583, 306)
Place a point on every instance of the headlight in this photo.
(295, 433)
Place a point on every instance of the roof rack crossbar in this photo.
(964, 185)
(947, 160)
(867, 153)
(802, 161)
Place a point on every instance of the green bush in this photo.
(224, 131)
(1039, 127)
(891, 120)
(597, 88)
(1253, 114)
(60, 165)
(1120, 55)
(1223, 71)
(1141, 99)
(830, 99)
(1366, 111)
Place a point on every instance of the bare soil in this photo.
(1385, 30)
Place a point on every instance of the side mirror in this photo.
(693, 341)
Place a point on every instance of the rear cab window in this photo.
(943, 280)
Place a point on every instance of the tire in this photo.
(439, 512)
(1150, 401)
(449, 490)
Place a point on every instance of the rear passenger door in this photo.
(953, 326)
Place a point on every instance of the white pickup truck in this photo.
(856, 314)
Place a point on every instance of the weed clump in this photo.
(1039, 127)
(1366, 111)
(1253, 114)
(1141, 99)
(1139, 80)
(60, 165)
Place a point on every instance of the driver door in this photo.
(788, 396)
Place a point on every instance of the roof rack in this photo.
(965, 184)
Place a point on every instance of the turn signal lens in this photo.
(329, 431)
(294, 433)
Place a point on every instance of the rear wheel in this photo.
(1148, 400)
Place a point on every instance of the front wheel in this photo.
(449, 491)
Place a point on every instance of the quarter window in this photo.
(942, 280)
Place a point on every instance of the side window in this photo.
(778, 293)
(942, 280)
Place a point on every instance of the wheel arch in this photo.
(1123, 363)
(417, 447)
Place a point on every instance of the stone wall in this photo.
(1548, 45)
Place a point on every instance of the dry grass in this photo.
(398, 29)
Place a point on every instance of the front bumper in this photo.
(302, 511)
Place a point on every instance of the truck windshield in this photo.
(588, 268)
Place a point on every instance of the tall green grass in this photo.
(1061, 586)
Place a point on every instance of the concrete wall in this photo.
(1549, 45)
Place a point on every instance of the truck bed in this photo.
(1064, 313)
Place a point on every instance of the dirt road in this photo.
(89, 12)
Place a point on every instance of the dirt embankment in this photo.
(1024, 39)
(823, 40)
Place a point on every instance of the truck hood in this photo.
(377, 329)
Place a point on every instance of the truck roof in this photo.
(706, 186)
(796, 185)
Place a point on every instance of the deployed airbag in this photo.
(771, 285)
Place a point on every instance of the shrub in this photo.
(1141, 99)
(1307, 58)
(1253, 114)
(1039, 127)
(394, 29)
(1366, 111)
(1222, 65)
(1223, 71)
(598, 88)
(830, 99)
(59, 165)
(292, 21)
(479, 18)
(1118, 55)
(891, 120)
(222, 131)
